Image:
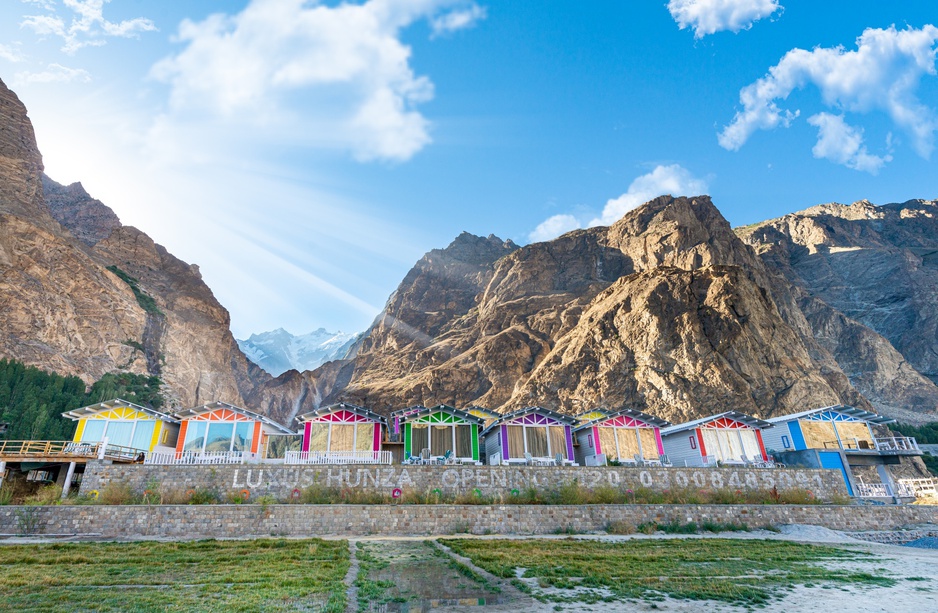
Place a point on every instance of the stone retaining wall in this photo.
(280, 481)
(232, 521)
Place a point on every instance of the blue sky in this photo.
(306, 154)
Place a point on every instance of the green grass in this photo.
(747, 573)
(259, 575)
(143, 299)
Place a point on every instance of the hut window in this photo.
(143, 434)
(464, 441)
(343, 437)
(242, 436)
(364, 437)
(515, 441)
(195, 436)
(558, 441)
(536, 438)
(441, 440)
(607, 439)
(419, 439)
(649, 443)
(589, 440)
(693, 441)
(219, 436)
(319, 437)
(785, 442)
(94, 430)
(119, 433)
(628, 443)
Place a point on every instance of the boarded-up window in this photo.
(558, 441)
(319, 437)
(649, 443)
(818, 434)
(515, 441)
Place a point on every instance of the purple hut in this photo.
(533, 435)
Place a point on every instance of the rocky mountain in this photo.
(278, 351)
(667, 310)
(81, 294)
(866, 277)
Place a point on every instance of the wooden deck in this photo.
(65, 451)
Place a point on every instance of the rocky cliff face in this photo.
(667, 311)
(866, 277)
(89, 296)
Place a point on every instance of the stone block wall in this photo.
(280, 481)
(237, 521)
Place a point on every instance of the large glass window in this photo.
(649, 443)
(515, 441)
(279, 444)
(364, 437)
(119, 433)
(319, 437)
(219, 436)
(242, 436)
(464, 441)
(195, 436)
(343, 437)
(419, 438)
(536, 438)
(94, 430)
(558, 441)
(608, 444)
(143, 434)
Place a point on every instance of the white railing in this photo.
(918, 487)
(337, 457)
(873, 490)
(197, 457)
(897, 443)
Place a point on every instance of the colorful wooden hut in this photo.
(439, 432)
(841, 438)
(626, 436)
(341, 434)
(530, 435)
(219, 432)
(727, 438)
(125, 424)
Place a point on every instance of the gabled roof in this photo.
(749, 420)
(486, 414)
(214, 406)
(562, 418)
(117, 403)
(407, 411)
(607, 414)
(868, 416)
(342, 406)
(418, 411)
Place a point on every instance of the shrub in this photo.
(648, 527)
(620, 527)
(6, 495)
(50, 494)
(116, 493)
(202, 496)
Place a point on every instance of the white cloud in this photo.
(344, 65)
(711, 16)
(552, 227)
(54, 73)
(458, 19)
(10, 54)
(882, 74)
(87, 28)
(843, 144)
(673, 179)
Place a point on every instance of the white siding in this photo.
(772, 437)
(492, 443)
(677, 448)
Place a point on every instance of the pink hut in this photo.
(625, 437)
(341, 434)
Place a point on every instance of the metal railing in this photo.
(197, 457)
(337, 457)
(68, 450)
(917, 487)
(897, 443)
(873, 490)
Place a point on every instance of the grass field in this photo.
(259, 575)
(741, 572)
